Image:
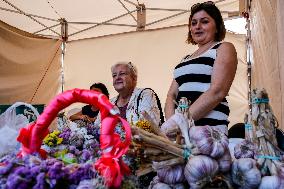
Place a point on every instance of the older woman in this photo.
(205, 76)
(133, 101)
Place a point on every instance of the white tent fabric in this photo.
(267, 43)
(29, 66)
(155, 53)
(104, 17)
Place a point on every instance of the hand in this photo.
(183, 107)
(85, 118)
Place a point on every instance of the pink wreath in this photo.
(110, 164)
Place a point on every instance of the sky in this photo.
(236, 25)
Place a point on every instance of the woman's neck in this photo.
(202, 48)
(206, 45)
(123, 98)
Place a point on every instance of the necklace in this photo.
(203, 49)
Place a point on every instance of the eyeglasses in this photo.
(207, 3)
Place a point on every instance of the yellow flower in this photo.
(144, 124)
(59, 141)
(56, 132)
(46, 139)
(50, 144)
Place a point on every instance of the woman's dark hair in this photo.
(210, 8)
(102, 87)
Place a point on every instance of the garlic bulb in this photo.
(179, 186)
(271, 182)
(161, 185)
(154, 182)
(245, 149)
(209, 141)
(170, 128)
(199, 170)
(171, 175)
(225, 162)
(245, 173)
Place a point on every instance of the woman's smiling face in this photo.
(202, 27)
(122, 78)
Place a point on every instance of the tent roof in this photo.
(99, 17)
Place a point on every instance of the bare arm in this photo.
(79, 115)
(223, 74)
(76, 116)
(171, 96)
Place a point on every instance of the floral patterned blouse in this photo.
(147, 103)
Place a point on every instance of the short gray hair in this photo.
(132, 68)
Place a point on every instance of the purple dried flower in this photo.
(86, 155)
(92, 145)
(20, 178)
(4, 169)
(85, 171)
(3, 182)
(65, 134)
(94, 131)
(57, 175)
(40, 182)
(30, 160)
(77, 140)
(72, 148)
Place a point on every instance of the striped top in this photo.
(193, 76)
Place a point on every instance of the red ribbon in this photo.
(112, 170)
(110, 164)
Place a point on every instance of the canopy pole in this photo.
(141, 17)
(64, 37)
(245, 4)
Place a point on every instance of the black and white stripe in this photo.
(193, 76)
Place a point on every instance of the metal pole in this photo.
(64, 36)
(248, 50)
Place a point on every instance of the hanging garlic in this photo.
(209, 141)
(199, 171)
(245, 149)
(270, 182)
(171, 175)
(279, 169)
(245, 173)
(225, 162)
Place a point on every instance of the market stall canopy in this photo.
(84, 23)
(93, 18)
